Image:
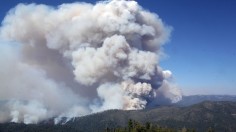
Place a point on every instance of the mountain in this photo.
(219, 115)
(195, 99)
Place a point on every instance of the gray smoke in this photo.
(79, 58)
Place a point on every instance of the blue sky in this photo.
(202, 49)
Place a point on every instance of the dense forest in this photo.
(132, 126)
(208, 116)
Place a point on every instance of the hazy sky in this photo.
(202, 50)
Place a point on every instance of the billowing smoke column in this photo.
(80, 58)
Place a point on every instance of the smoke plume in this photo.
(79, 58)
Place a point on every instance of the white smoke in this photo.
(80, 58)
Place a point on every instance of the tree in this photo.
(130, 125)
(184, 129)
(148, 125)
(210, 130)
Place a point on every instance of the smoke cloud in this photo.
(79, 58)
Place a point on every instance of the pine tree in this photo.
(210, 130)
(148, 125)
(184, 129)
(130, 125)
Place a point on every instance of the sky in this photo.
(201, 52)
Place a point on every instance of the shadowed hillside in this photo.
(221, 116)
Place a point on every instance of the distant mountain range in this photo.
(195, 99)
(219, 115)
